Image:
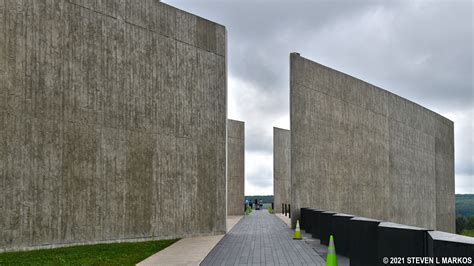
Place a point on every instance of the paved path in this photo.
(284, 218)
(188, 251)
(262, 239)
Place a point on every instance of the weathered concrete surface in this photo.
(112, 122)
(358, 149)
(235, 167)
(281, 168)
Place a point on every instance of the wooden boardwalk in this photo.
(262, 239)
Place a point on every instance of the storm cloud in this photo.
(420, 50)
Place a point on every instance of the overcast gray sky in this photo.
(420, 50)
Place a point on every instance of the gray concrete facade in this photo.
(359, 149)
(281, 168)
(112, 123)
(235, 167)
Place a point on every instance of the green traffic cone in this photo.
(297, 231)
(331, 258)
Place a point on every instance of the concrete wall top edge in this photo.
(197, 16)
(358, 218)
(442, 118)
(164, 19)
(282, 129)
(236, 121)
(443, 236)
(344, 215)
(401, 226)
(235, 129)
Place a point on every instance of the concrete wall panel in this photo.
(235, 167)
(113, 119)
(444, 167)
(281, 168)
(358, 149)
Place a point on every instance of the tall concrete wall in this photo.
(362, 150)
(112, 122)
(281, 167)
(235, 167)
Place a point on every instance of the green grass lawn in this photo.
(468, 232)
(101, 254)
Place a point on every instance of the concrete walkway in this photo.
(188, 251)
(262, 239)
(284, 218)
